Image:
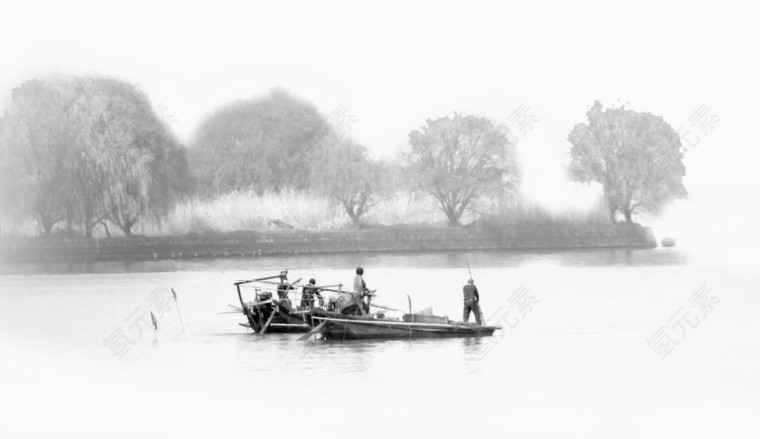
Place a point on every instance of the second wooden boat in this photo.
(337, 326)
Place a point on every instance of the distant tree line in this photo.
(87, 152)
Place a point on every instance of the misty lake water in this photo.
(575, 363)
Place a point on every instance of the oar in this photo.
(374, 305)
(322, 287)
(262, 303)
(277, 283)
(240, 282)
(266, 325)
(312, 332)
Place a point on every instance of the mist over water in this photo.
(578, 354)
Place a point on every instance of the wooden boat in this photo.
(268, 314)
(336, 326)
(272, 317)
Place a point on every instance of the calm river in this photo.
(585, 350)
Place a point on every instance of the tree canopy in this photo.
(460, 159)
(260, 144)
(88, 150)
(347, 173)
(636, 157)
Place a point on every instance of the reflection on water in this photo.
(581, 258)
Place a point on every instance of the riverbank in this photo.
(291, 242)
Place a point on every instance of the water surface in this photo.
(574, 363)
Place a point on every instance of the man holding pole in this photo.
(307, 296)
(360, 289)
(471, 302)
(282, 290)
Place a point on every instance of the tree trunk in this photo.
(69, 222)
(628, 215)
(453, 217)
(612, 215)
(47, 225)
(105, 227)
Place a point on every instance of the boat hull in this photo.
(283, 322)
(335, 326)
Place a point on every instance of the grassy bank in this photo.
(249, 225)
(291, 210)
(247, 211)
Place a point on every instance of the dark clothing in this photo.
(282, 294)
(470, 292)
(282, 289)
(472, 305)
(307, 297)
(471, 299)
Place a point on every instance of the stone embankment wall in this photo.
(276, 243)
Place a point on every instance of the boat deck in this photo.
(338, 326)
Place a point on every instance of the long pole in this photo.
(482, 317)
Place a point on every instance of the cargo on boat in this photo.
(346, 316)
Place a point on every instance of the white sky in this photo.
(396, 64)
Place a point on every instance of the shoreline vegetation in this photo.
(245, 224)
(88, 167)
(379, 239)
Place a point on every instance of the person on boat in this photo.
(307, 296)
(471, 302)
(282, 290)
(360, 288)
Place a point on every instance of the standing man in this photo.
(282, 291)
(471, 300)
(307, 296)
(360, 288)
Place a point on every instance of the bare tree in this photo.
(460, 159)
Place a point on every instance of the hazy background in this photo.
(396, 64)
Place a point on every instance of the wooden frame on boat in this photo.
(269, 314)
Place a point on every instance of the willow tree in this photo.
(141, 164)
(461, 159)
(82, 148)
(35, 132)
(636, 156)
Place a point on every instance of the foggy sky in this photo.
(393, 65)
